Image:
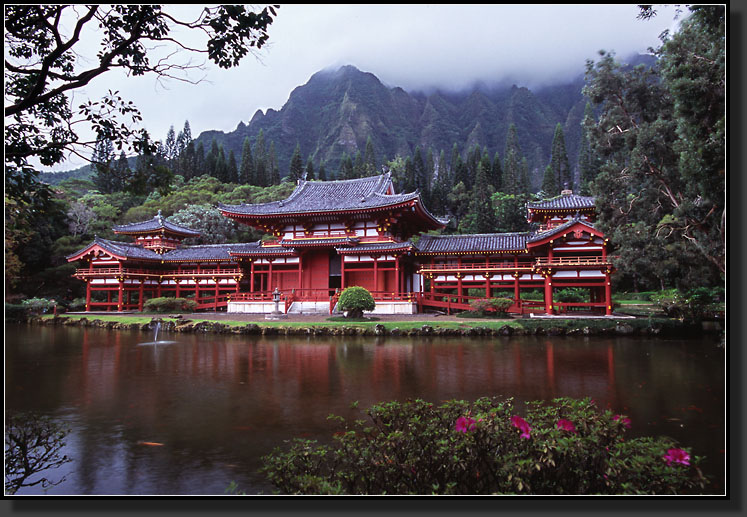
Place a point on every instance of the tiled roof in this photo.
(303, 243)
(562, 202)
(155, 224)
(538, 236)
(472, 243)
(376, 247)
(328, 196)
(206, 252)
(121, 249)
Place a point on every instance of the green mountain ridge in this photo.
(336, 111)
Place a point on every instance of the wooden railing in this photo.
(573, 261)
(477, 266)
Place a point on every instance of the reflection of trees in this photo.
(32, 445)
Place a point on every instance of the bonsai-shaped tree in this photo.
(355, 300)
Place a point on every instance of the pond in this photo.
(193, 415)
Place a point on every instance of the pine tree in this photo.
(260, 168)
(171, 150)
(296, 165)
(103, 155)
(588, 164)
(120, 173)
(369, 158)
(481, 215)
(200, 166)
(524, 184)
(246, 172)
(220, 172)
(549, 187)
(211, 159)
(322, 172)
(496, 173)
(359, 169)
(559, 160)
(309, 169)
(272, 165)
(422, 181)
(346, 167)
(233, 169)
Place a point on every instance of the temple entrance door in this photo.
(316, 275)
(335, 272)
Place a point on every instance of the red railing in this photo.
(573, 261)
(477, 266)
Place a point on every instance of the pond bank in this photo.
(385, 326)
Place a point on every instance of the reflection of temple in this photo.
(328, 235)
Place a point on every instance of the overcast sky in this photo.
(412, 46)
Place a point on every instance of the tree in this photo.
(322, 172)
(42, 68)
(588, 162)
(496, 173)
(511, 163)
(233, 169)
(272, 165)
(309, 169)
(458, 199)
(260, 157)
(369, 158)
(561, 168)
(660, 134)
(549, 186)
(246, 172)
(296, 165)
(102, 158)
(33, 445)
(481, 216)
(346, 167)
(172, 151)
(207, 219)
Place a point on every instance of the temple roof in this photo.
(472, 243)
(303, 243)
(156, 224)
(187, 254)
(120, 249)
(537, 236)
(563, 202)
(373, 247)
(329, 196)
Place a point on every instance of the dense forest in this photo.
(647, 141)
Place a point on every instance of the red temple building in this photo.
(329, 235)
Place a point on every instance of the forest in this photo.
(651, 152)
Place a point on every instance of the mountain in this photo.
(336, 111)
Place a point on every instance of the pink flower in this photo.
(677, 456)
(522, 425)
(566, 425)
(464, 424)
(625, 420)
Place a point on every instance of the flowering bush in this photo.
(166, 304)
(39, 305)
(565, 446)
(485, 305)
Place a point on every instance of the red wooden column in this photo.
(376, 272)
(140, 296)
(269, 276)
(517, 294)
(300, 271)
(119, 294)
(459, 285)
(607, 294)
(396, 275)
(548, 292)
(488, 292)
(251, 275)
(88, 294)
(178, 291)
(342, 272)
(215, 300)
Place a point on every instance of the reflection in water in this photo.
(216, 404)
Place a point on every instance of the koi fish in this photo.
(152, 444)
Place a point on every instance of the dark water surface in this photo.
(219, 403)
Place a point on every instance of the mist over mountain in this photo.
(338, 109)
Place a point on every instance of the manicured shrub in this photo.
(39, 305)
(565, 446)
(497, 306)
(165, 304)
(355, 300)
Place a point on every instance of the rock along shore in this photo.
(610, 327)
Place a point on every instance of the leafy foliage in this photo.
(354, 300)
(565, 446)
(167, 304)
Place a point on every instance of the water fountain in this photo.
(156, 326)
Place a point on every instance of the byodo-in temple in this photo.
(329, 235)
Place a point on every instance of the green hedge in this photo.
(165, 304)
